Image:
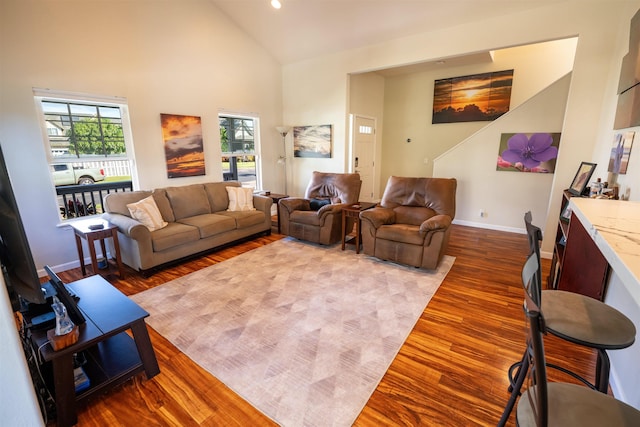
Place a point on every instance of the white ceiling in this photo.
(303, 29)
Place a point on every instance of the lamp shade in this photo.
(283, 130)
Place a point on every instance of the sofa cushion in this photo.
(187, 201)
(244, 219)
(174, 234)
(412, 214)
(146, 211)
(164, 206)
(240, 199)
(338, 187)
(217, 194)
(305, 217)
(117, 202)
(403, 233)
(210, 224)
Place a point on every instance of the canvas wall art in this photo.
(312, 141)
(620, 153)
(183, 147)
(528, 152)
(478, 97)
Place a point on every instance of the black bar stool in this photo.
(575, 318)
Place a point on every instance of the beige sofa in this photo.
(196, 218)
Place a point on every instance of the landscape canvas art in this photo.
(478, 97)
(312, 141)
(183, 147)
(620, 152)
(528, 152)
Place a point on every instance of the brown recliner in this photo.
(411, 225)
(318, 217)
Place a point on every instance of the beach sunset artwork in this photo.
(474, 98)
(183, 148)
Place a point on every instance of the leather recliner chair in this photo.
(318, 216)
(411, 225)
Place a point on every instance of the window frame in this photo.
(47, 95)
(256, 153)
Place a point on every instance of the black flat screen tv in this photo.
(20, 274)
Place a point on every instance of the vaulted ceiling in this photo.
(303, 29)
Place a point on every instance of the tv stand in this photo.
(113, 356)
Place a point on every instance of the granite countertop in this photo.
(614, 225)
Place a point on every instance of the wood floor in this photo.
(450, 372)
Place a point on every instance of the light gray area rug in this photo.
(303, 332)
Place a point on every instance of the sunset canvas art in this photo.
(478, 97)
(183, 146)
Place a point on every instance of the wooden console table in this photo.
(112, 355)
(82, 230)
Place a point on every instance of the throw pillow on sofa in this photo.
(240, 199)
(146, 211)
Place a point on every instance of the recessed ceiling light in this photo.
(276, 4)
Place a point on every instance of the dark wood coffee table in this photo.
(353, 211)
(112, 355)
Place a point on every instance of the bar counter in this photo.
(614, 226)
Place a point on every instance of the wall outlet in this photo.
(483, 213)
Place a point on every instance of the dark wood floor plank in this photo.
(450, 372)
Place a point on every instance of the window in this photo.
(87, 142)
(240, 159)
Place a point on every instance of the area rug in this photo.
(303, 332)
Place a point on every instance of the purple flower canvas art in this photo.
(528, 152)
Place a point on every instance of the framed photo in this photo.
(581, 180)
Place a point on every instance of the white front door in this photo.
(363, 137)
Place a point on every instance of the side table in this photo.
(82, 230)
(353, 211)
(276, 198)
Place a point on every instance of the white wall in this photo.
(18, 404)
(409, 104)
(499, 193)
(316, 87)
(366, 98)
(163, 57)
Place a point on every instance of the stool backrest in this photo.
(536, 328)
(534, 235)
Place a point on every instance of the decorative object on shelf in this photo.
(64, 325)
(284, 131)
(620, 153)
(312, 141)
(183, 148)
(475, 98)
(65, 333)
(528, 152)
(580, 181)
(565, 215)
